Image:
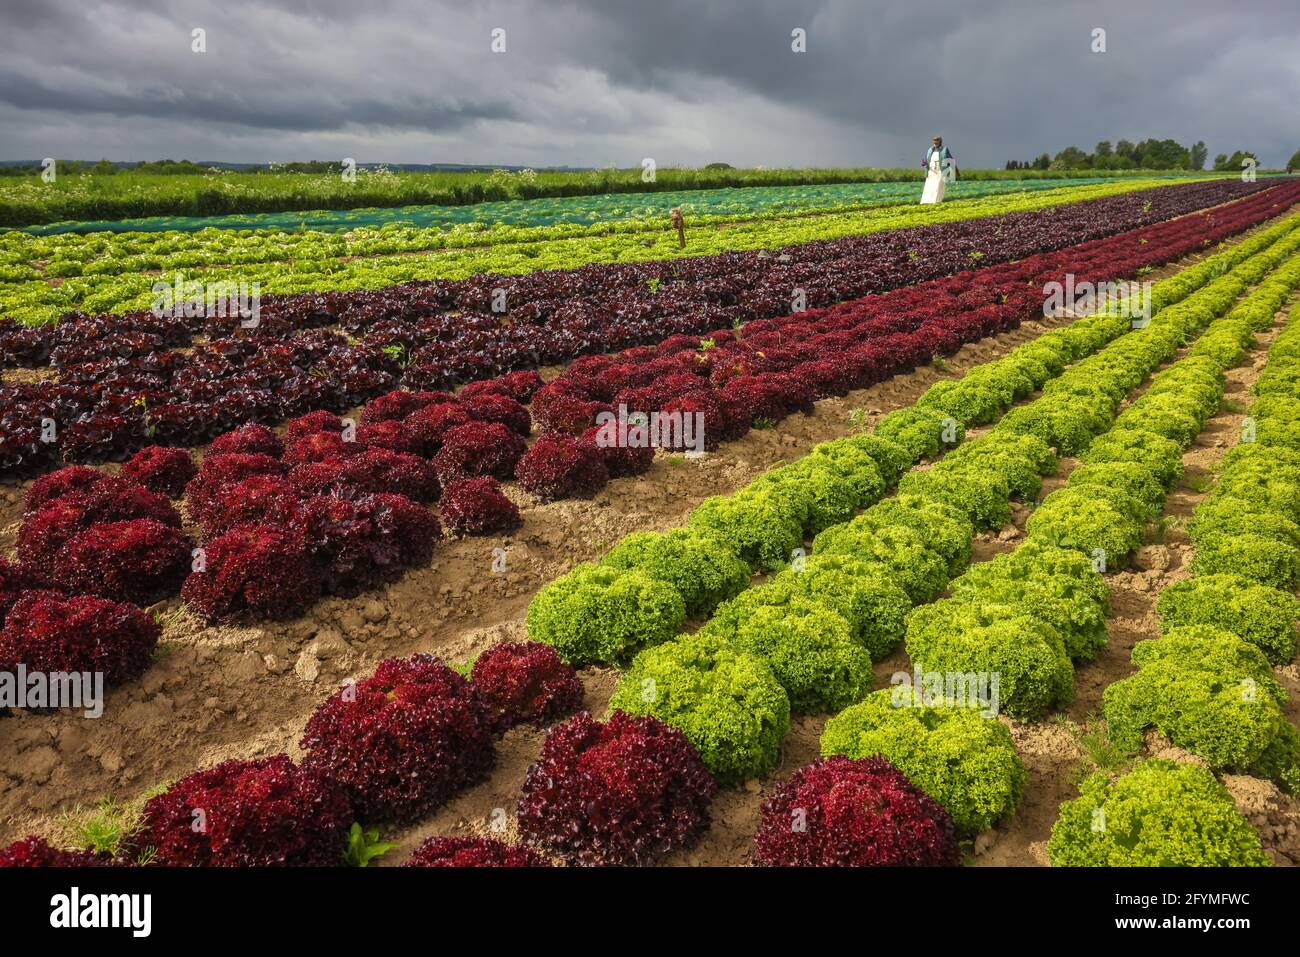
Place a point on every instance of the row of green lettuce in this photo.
(1207, 683)
(808, 636)
(1031, 615)
(323, 262)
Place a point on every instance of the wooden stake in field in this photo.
(675, 217)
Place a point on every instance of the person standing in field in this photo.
(938, 164)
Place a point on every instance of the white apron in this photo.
(934, 179)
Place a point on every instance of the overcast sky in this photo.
(682, 81)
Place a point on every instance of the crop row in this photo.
(38, 301)
(107, 408)
(723, 289)
(1026, 616)
(1207, 684)
(1234, 618)
(353, 745)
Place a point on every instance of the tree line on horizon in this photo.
(1145, 154)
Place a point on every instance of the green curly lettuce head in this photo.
(1256, 558)
(1263, 616)
(830, 500)
(1087, 519)
(1065, 592)
(762, 528)
(703, 569)
(809, 648)
(1206, 690)
(1133, 479)
(1270, 486)
(1162, 457)
(600, 614)
(1160, 814)
(923, 432)
(867, 596)
(980, 494)
(726, 701)
(1168, 417)
(1227, 515)
(970, 402)
(965, 762)
(902, 552)
(1064, 425)
(944, 527)
(857, 471)
(891, 458)
(1024, 652)
(1015, 459)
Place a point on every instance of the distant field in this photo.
(28, 201)
(698, 205)
(43, 277)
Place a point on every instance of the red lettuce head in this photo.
(498, 408)
(74, 478)
(320, 447)
(251, 439)
(55, 523)
(477, 449)
(402, 741)
(261, 813)
(625, 791)
(35, 851)
(160, 469)
(139, 561)
(318, 421)
(361, 540)
(620, 460)
(219, 471)
(429, 425)
(477, 506)
(398, 404)
(15, 581)
(519, 386)
(559, 466)
(249, 500)
(473, 852)
(390, 434)
(253, 572)
(846, 813)
(48, 631)
(526, 681)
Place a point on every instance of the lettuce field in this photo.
(536, 535)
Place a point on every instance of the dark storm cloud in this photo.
(683, 81)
